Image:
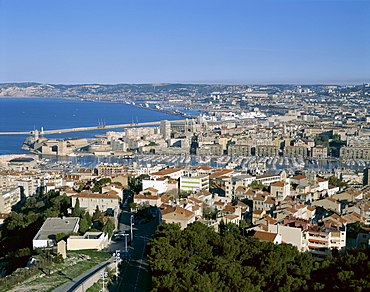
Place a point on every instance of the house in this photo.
(46, 236)
(280, 190)
(257, 214)
(329, 204)
(231, 219)
(89, 201)
(113, 187)
(178, 215)
(152, 200)
(158, 183)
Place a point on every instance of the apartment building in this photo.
(194, 183)
(355, 152)
(266, 150)
(240, 150)
(210, 149)
(294, 151)
(8, 198)
(110, 169)
(89, 201)
(319, 152)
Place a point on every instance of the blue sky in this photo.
(155, 41)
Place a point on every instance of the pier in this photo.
(48, 132)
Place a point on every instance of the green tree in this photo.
(77, 211)
(256, 185)
(97, 213)
(108, 227)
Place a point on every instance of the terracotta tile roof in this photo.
(194, 208)
(146, 197)
(177, 210)
(167, 171)
(298, 177)
(279, 184)
(150, 189)
(195, 200)
(265, 236)
(164, 199)
(241, 189)
(291, 210)
(87, 194)
(263, 226)
(269, 219)
(231, 217)
(221, 173)
(205, 167)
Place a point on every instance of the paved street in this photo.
(134, 274)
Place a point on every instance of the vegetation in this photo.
(258, 185)
(200, 259)
(97, 188)
(61, 271)
(20, 228)
(334, 181)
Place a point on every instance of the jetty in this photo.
(106, 127)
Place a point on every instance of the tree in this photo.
(200, 259)
(108, 227)
(60, 236)
(84, 225)
(77, 211)
(256, 185)
(97, 188)
(97, 214)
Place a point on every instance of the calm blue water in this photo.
(26, 114)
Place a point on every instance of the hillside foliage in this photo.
(200, 259)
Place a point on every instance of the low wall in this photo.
(93, 278)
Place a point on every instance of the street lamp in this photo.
(132, 224)
(117, 254)
(103, 276)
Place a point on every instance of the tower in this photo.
(165, 129)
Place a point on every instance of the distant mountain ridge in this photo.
(130, 92)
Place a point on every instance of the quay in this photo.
(89, 128)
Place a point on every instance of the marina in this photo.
(256, 164)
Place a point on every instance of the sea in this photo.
(28, 114)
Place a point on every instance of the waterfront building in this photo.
(210, 149)
(355, 152)
(266, 150)
(294, 151)
(240, 150)
(319, 152)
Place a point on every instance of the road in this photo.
(134, 271)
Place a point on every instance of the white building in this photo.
(46, 237)
(194, 183)
(160, 184)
